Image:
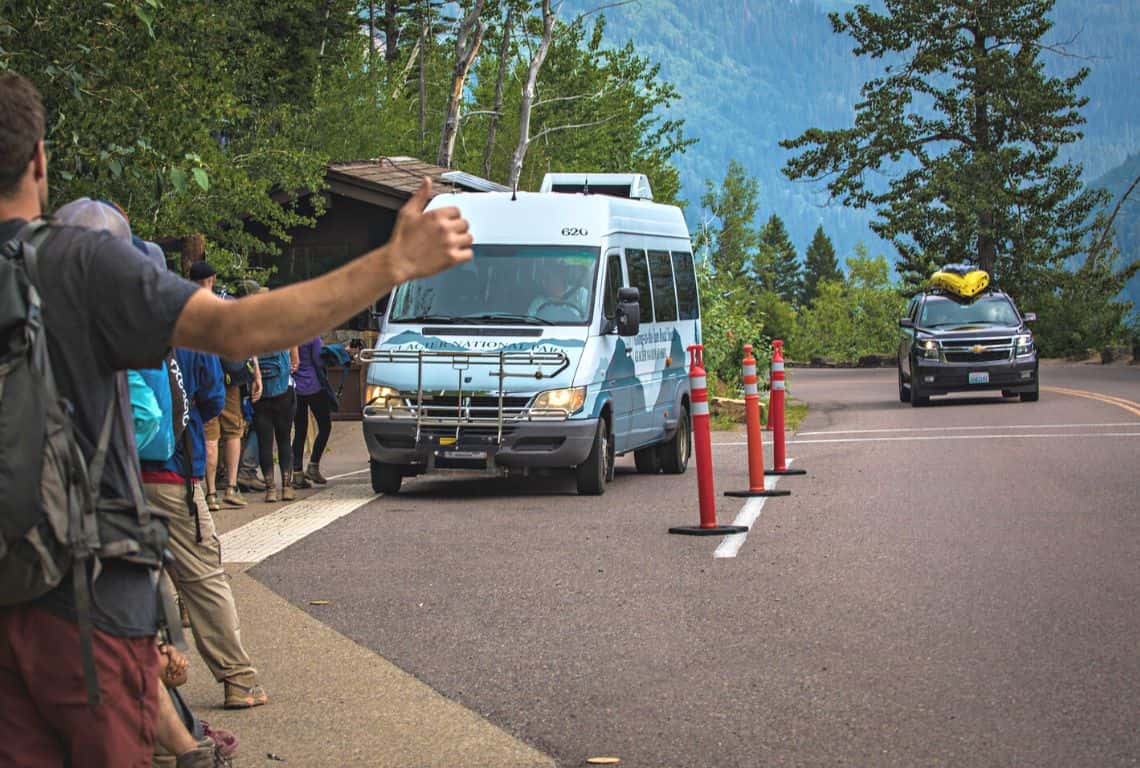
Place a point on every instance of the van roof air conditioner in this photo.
(634, 186)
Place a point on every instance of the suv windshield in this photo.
(505, 285)
(995, 310)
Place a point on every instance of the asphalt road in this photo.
(952, 585)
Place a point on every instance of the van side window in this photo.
(639, 279)
(664, 297)
(687, 303)
(613, 283)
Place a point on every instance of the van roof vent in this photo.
(634, 186)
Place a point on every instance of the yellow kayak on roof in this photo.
(961, 280)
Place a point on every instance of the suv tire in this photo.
(1031, 397)
(917, 399)
(904, 389)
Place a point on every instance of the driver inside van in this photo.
(558, 298)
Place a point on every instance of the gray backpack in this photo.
(52, 519)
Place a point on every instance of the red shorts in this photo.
(45, 718)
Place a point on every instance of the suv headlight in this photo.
(380, 396)
(926, 348)
(1025, 345)
(570, 400)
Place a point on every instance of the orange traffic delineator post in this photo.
(776, 417)
(702, 445)
(755, 436)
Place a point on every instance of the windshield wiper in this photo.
(506, 317)
(427, 319)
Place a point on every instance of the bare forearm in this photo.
(269, 322)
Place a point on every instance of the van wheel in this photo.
(676, 452)
(647, 460)
(598, 468)
(386, 478)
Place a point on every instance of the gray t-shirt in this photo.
(106, 309)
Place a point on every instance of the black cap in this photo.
(200, 270)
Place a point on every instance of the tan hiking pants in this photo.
(202, 582)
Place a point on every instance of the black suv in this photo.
(951, 345)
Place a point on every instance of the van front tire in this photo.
(598, 468)
(674, 453)
(386, 478)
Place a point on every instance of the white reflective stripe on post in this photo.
(777, 366)
(750, 389)
(750, 370)
(700, 408)
(699, 382)
(777, 385)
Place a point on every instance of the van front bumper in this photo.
(546, 444)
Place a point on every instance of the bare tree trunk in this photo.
(528, 95)
(493, 128)
(467, 42)
(987, 221)
(391, 32)
(425, 23)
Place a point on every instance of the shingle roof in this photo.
(399, 177)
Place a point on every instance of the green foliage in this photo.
(851, 318)
(777, 264)
(820, 265)
(727, 324)
(969, 127)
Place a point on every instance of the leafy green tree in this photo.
(969, 126)
(820, 265)
(731, 239)
(777, 265)
(851, 318)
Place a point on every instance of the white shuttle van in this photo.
(560, 345)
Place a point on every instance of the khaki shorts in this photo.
(229, 424)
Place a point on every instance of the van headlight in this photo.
(380, 396)
(1025, 345)
(570, 400)
(927, 348)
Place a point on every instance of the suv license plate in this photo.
(979, 377)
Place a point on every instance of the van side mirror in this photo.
(1029, 317)
(906, 322)
(628, 316)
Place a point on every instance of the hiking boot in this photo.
(271, 494)
(205, 755)
(250, 482)
(212, 502)
(287, 493)
(240, 696)
(233, 497)
(313, 473)
(300, 480)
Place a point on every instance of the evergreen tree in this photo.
(731, 241)
(778, 267)
(969, 126)
(820, 264)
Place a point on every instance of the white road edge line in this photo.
(348, 474)
(943, 437)
(268, 535)
(748, 515)
(963, 429)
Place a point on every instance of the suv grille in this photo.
(974, 351)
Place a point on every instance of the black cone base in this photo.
(785, 472)
(720, 530)
(754, 494)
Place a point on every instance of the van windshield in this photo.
(505, 285)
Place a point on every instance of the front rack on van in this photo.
(459, 408)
